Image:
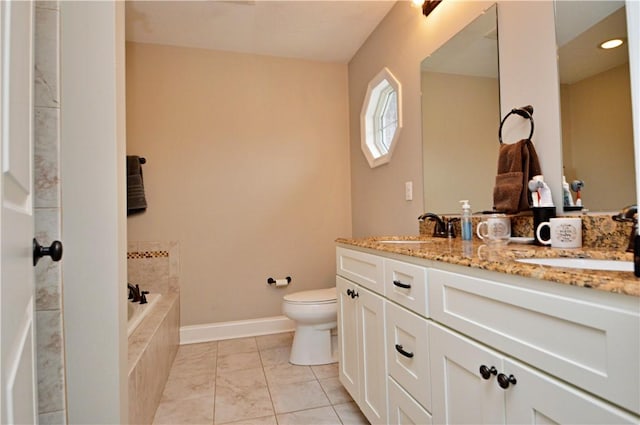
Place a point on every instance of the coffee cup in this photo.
(494, 229)
(564, 232)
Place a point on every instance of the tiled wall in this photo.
(49, 311)
(153, 265)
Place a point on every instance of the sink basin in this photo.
(402, 242)
(582, 263)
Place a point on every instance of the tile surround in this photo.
(258, 388)
(154, 266)
(46, 202)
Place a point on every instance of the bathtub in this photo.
(137, 312)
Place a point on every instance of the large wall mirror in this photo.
(460, 118)
(595, 97)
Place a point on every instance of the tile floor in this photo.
(250, 381)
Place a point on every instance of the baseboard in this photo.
(236, 329)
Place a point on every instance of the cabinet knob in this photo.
(352, 293)
(504, 380)
(486, 372)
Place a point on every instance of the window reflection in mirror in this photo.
(595, 95)
(460, 118)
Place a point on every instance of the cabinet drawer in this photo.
(406, 284)
(403, 409)
(408, 352)
(591, 345)
(360, 267)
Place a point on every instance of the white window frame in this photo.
(377, 96)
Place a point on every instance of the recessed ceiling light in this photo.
(612, 44)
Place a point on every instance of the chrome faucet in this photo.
(629, 214)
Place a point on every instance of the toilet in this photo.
(315, 314)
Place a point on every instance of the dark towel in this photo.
(517, 164)
(136, 201)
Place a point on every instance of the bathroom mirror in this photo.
(595, 98)
(460, 118)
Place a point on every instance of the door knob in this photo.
(39, 251)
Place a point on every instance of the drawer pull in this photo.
(404, 353)
(486, 372)
(401, 285)
(504, 380)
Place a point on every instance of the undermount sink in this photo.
(582, 263)
(403, 242)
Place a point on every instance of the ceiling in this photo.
(324, 30)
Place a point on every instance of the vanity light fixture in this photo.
(427, 5)
(612, 44)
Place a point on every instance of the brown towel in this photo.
(517, 164)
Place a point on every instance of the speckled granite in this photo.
(502, 260)
(598, 230)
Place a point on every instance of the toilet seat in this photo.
(315, 296)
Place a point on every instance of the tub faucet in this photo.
(440, 228)
(134, 292)
(629, 214)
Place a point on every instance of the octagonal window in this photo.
(380, 119)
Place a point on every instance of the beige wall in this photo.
(460, 115)
(247, 168)
(598, 138)
(528, 75)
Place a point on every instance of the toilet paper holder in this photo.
(271, 280)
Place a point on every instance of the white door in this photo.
(542, 400)
(18, 398)
(347, 337)
(373, 359)
(461, 395)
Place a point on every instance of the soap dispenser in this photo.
(465, 221)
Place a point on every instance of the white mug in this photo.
(565, 232)
(494, 228)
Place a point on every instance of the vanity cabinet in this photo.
(462, 345)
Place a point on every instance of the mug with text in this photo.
(564, 232)
(494, 228)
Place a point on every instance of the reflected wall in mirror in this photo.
(460, 118)
(595, 98)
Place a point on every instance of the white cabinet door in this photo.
(539, 399)
(403, 409)
(460, 394)
(347, 336)
(371, 340)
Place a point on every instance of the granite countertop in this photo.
(477, 255)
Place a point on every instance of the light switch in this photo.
(408, 191)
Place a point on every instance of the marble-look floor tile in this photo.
(191, 386)
(189, 411)
(202, 351)
(325, 371)
(241, 379)
(335, 391)
(236, 346)
(321, 416)
(267, 420)
(350, 414)
(232, 404)
(238, 361)
(275, 340)
(274, 356)
(287, 373)
(297, 396)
